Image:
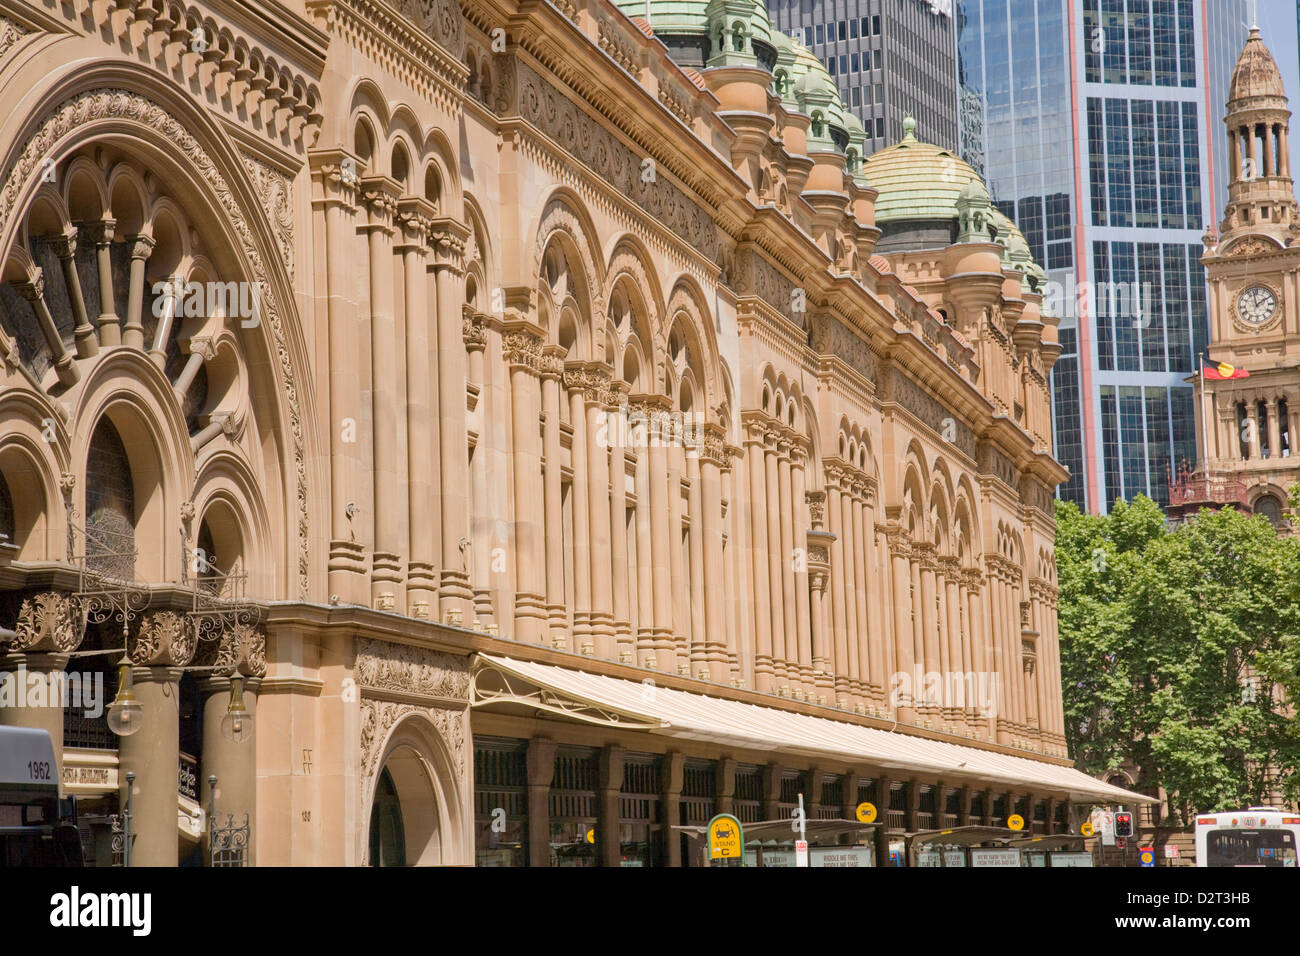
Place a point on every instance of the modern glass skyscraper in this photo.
(889, 58)
(1091, 120)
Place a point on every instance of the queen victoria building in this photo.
(501, 432)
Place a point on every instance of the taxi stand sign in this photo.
(1015, 822)
(726, 838)
(1147, 856)
(866, 812)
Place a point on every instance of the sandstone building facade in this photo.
(545, 440)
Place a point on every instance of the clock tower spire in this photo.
(1247, 397)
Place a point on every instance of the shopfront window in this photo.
(640, 817)
(500, 802)
(573, 804)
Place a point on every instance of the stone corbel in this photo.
(45, 624)
(164, 639)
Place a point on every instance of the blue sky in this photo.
(1277, 22)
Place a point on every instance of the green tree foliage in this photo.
(1180, 648)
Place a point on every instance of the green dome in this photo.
(921, 181)
(670, 16)
(716, 19)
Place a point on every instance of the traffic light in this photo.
(1123, 824)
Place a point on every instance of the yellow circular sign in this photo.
(1015, 822)
(591, 835)
(866, 812)
(1086, 829)
(726, 838)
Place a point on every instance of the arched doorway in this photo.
(387, 837)
(414, 814)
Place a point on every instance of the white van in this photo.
(31, 832)
(1256, 836)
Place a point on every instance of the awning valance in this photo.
(509, 685)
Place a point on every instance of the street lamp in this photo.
(125, 712)
(237, 725)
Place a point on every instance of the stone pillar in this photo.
(1274, 431)
(611, 783)
(83, 333)
(698, 656)
(900, 573)
(623, 641)
(787, 668)
(414, 215)
(552, 492)
(580, 504)
(522, 349)
(241, 651)
(660, 540)
(334, 187)
(101, 234)
(716, 592)
(448, 239)
(380, 194)
(852, 664)
(799, 645)
(540, 762)
(671, 776)
(597, 389)
(133, 333)
(645, 566)
(680, 610)
(33, 291)
(860, 585)
(777, 557)
(755, 462)
(164, 644)
(839, 588)
(44, 635)
(773, 774)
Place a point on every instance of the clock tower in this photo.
(1248, 397)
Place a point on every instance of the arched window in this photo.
(6, 513)
(1270, 508)
(110, 504)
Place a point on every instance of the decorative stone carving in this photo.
(276, 193)
(379, 716)
(440, 19)
(45, 624)
(164, 639)
(10, 33)
(405, 669)
(557, 117)
(930, 411)
(827, 335)
(520, 347)
(128, 107)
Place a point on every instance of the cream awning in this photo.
(505, 684)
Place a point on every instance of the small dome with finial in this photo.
(1256, 74)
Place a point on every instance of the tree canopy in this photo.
(1180, 648)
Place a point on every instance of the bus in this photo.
(34, 830)
(1256, 836)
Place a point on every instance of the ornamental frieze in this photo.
(164, 639)
(379, 716)
(440, 19)
(10, 33)
(631, 174)
(999, 465)
(827, 335)
(752, 274)
(929, 410)
(402, 668)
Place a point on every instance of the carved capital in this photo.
(165, 639)
(522, 348)
(141, 247)
(45, 624)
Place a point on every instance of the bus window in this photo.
(1250, 848)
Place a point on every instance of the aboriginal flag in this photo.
(1225, 371)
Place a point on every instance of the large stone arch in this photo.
(414, 707)
(153, 122)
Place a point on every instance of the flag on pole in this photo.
(1224, 371)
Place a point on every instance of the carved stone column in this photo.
(33, 662)
(758, 586)
(65, 247)
(716, 594)
(133, 332)
(164, 644)
(778, 556)
(799, 652)
(334, 185)
(579, 501)
(611, 783)
(523, 353)
(241, 651)
(699, 668)
(661, 542)
(413, 216)
(671, 777)
(639, 414)
(623, 639)
(101, 234)
(596, 387)
(448, 240)
(540, 763)
(552, 369)
(900, 573)
(381, 194)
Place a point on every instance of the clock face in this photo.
(1256, 304)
